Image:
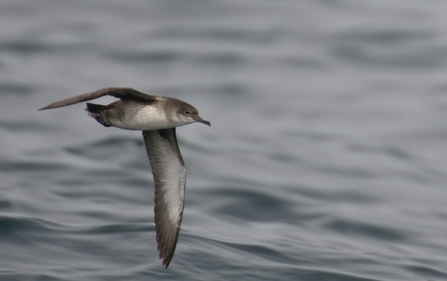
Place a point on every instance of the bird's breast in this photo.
(143, 118)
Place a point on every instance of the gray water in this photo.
(326, 158)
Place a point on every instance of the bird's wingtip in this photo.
(43, 108)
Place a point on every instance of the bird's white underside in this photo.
(146, 119)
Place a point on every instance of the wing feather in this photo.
(121, 93)
(169, 173)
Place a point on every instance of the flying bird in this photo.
(157, 117)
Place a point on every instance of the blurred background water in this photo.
(326, 158)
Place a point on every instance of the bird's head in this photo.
(187, 113)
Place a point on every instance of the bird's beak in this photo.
(198, 119)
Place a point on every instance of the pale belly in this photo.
(144, 119)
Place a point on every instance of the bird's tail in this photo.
(94, 111)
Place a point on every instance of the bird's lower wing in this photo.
(169, 173)
(121, 93)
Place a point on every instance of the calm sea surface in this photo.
(326, 158)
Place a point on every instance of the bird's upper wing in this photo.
(169, 173)
(121, 93)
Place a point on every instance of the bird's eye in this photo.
(187, 112)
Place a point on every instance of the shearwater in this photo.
(157, 117)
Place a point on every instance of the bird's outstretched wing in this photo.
(121, 93)
(169, 173)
